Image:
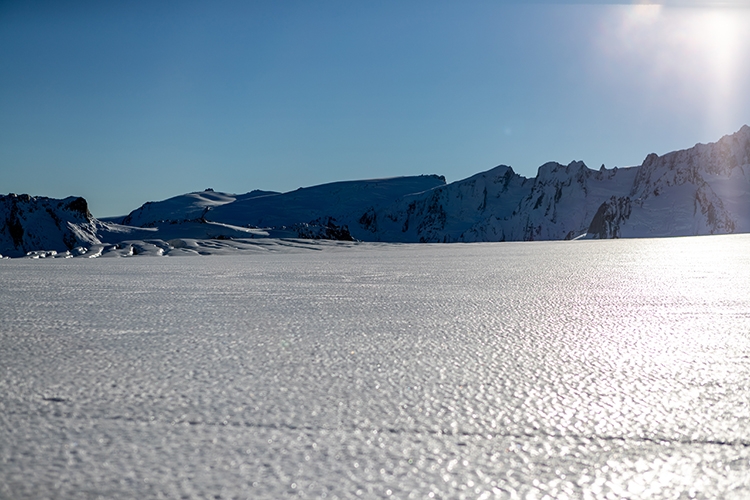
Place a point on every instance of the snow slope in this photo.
(445, 213)
(189, 206)
(345, 202)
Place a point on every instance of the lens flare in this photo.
(683, 57)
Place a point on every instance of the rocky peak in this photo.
(38, 223)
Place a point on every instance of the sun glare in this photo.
(644, 12)
(683, 55)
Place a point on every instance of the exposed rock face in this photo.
(500, 205)
(611, 214)
(702, 190)
(323, 229)
(563, 200)
(30, 223)
(446, 213)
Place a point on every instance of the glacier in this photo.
(600, 369)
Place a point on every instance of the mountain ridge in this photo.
(700, 190)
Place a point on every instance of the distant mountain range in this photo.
(697, 191)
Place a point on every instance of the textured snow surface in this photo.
(583, 369)
(181, 247)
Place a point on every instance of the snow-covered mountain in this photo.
(500, 205)
(326, 211)
(444, 213)
(191, 206)
(62, 228)
(701, 190)
(341, 203)
(30, 223)
(48, 227)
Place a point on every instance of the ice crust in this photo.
(586, 369)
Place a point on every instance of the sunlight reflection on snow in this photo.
(584, 369)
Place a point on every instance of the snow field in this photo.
(570, 369)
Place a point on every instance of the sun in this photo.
(682, 55)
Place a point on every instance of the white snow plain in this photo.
(583, 369)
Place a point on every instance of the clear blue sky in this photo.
(126, 102)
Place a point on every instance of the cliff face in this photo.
(563, 200)
(702, 190)
(500, 205)
(446, 213)
(30, 223)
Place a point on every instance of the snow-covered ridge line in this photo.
(696, 191)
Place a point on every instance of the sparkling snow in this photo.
(582, 369)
